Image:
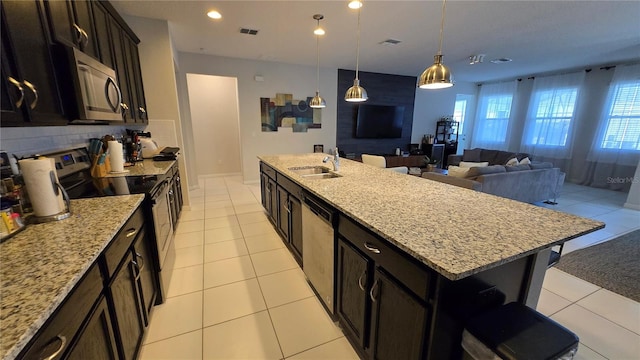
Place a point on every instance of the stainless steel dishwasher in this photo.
(318, 248)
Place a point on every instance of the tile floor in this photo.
(237, 293)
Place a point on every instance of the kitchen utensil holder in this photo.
(100, 170)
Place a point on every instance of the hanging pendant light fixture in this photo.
(318, 102)
(357, 93)
(437, 76)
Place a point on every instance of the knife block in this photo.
(100, 170)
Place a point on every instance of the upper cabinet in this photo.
(35, 85)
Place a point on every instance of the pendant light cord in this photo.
(358, 43)
(442, 26)
(318, 61)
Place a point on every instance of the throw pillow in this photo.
(512, 162)
(457, 171)
(474, 172)
(470, 164)
(525, 161)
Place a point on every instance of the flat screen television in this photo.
(379, 121)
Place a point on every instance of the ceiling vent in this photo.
(390, 42)
(248, 31)
(501, 60)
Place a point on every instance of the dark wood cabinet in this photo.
(283, 212)
(101, 20)
(126, 307)
(97, 341)
(353, 274)
(71, 24)
(30, 84)
(295, 229)
(381, 297)
(398, 321)
(145, 275)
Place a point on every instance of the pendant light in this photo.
(357, 93)
(318, 102)
(437, 76)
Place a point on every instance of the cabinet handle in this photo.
(371, 248)
(136, 271)
(141, 112)
(86, 38)
(17, 84)
(371, 295)
(141, 261)
(364, 273)
(79, 34)
(35, 93)
(63, 343)
(111, 81)
(131, 232)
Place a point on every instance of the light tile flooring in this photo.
(237, 293)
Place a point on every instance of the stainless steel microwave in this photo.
(97, 95)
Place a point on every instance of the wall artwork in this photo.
(283, 111)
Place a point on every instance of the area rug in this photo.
(613, 265)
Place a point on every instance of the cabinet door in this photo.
(139, 112)
(398, 321)
(103, 33)
(178, 190)
(12, 94)
(126, 306)
(295, 229)
(273, 200)
(120, 63)
(283, 212)
(84, 20)
(145, 274)
(352, 306)
(27, 45)
(96, 341)
(264, 191)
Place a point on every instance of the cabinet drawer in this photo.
(271, 172)
(399, 265)
(291, 187)
(58, 332)
(121, 243)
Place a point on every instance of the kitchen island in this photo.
(454, 252)
(43, 264)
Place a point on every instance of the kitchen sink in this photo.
(314, 172)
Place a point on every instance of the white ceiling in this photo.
(540, 36)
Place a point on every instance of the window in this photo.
(623, 123)
(554, 111)
(496, 118)
(460, 111)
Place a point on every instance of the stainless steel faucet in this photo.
(335, 161)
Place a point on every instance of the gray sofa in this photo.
(493, 157)
(527, 183)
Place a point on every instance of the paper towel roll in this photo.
(115, 155)
(40, 178)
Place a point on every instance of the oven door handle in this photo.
(162, 189)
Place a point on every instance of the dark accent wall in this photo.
(383, 89)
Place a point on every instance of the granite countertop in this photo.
(145, 167)
(455, 231)
(42, 264)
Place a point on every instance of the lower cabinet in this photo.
(123, 294)
(96, 341)
(145, 276)
(289, 221)
(380, 314)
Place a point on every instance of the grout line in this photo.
(609, 320)
(313, 347)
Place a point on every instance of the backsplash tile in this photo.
(23, 141)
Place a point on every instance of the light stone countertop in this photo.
(42, 264)
(455, 231)
(145, 167)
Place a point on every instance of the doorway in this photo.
(215, 120)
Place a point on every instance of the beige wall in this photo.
(158, 77)
(214, 118)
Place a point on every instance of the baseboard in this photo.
(629, 205)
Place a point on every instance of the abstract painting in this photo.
(283, 111)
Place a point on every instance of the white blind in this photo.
(623, 125)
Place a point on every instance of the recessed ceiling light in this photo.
(501, 60)
(214, 14)
(355, 4)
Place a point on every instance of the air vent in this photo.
(501, 60)
(390, 42)
(248, 31)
